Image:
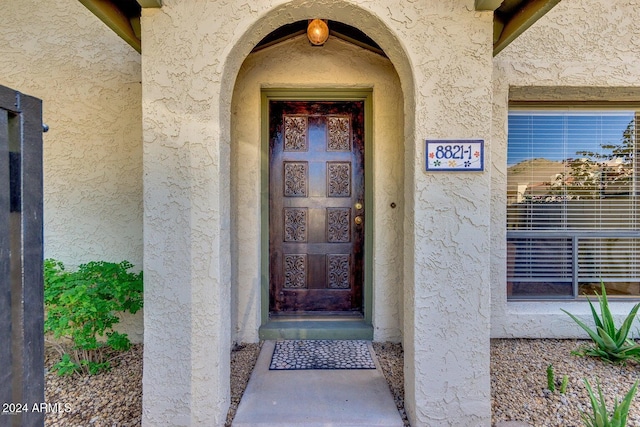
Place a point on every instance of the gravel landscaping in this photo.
(518, 385)
(108, 399)
(519, 382)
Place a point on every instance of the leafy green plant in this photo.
(82, 307)
(601, 417)
(611, 343)
(65, 366)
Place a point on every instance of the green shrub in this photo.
(82, 306)
(601, 417)
(611, 344)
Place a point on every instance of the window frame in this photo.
(577, 107)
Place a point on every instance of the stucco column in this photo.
(447, 217)
(186, 228)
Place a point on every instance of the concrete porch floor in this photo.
(315, 398)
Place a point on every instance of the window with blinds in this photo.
(572, 203)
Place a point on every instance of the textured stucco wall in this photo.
(89, 82)
(337, 65)
(447, 239)
(579, 43)
(193, 51)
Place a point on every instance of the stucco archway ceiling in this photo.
(510, 19)
(336, 29)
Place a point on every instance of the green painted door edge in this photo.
(312, 94)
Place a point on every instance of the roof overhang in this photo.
(122, 16)
(510, 19)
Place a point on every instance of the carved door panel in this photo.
(316, 206)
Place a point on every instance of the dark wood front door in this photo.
(316, 206)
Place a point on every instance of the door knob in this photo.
(358, 220)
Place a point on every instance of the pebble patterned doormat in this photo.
(321, 354)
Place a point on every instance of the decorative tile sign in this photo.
(455, 155)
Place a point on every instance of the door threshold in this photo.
(322, 316)
(316, 327)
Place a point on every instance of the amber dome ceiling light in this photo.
(317, 32)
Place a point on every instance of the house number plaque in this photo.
(455, 155)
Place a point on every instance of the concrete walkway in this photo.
(316, 398)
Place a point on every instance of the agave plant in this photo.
(600, 416)
(610, 342)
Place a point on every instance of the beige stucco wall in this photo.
(193, 51)
(337, 64)
(451, 259)
(578, 44)
(89, 82)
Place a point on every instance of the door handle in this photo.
(358, 220)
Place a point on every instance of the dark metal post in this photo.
(21, 255)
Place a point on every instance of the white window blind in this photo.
(572, 214)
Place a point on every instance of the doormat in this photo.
(321, 354)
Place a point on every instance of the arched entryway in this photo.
(203, 245)
(293, 69)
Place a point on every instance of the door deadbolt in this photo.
(358, 205)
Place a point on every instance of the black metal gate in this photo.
(21, 253)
